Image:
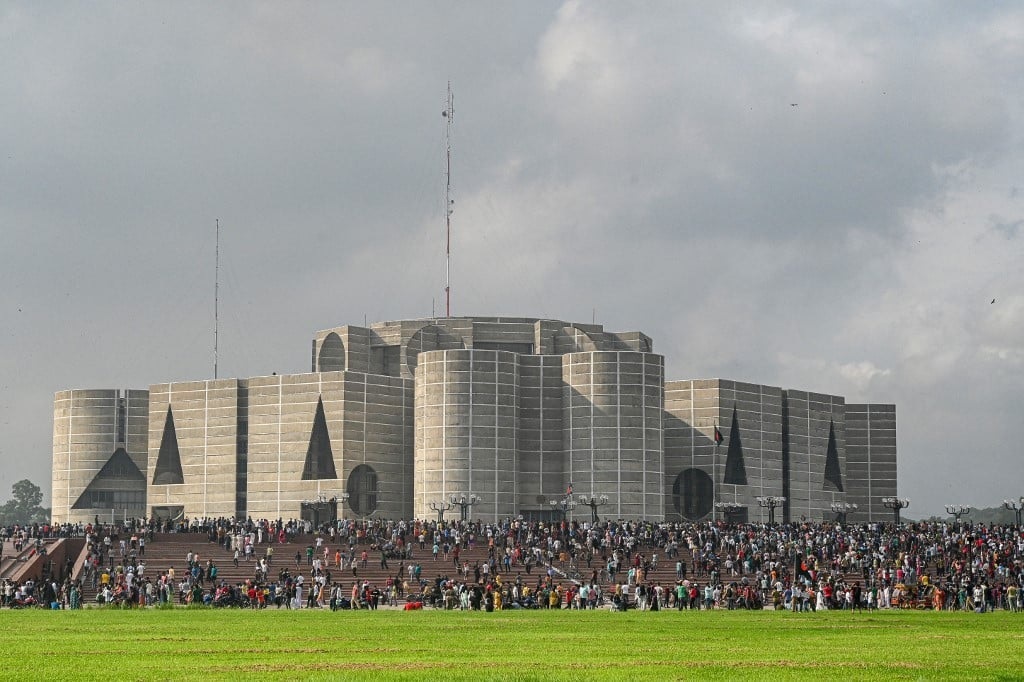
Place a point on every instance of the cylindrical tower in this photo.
(613, 433)
(100, 449)
(466, 415)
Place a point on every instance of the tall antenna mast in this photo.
(449, 114)
(216, 300)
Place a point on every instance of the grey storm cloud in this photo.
(818, 197)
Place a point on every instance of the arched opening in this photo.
(332, 354)
(362, 490)
(427, 338)
(573, 340)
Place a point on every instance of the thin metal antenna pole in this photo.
(449, 114)
(216, 301)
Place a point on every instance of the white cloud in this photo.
(860, 374)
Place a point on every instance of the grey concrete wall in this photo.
(613, 429)
(759, 415)
(281, 413)
(206, 425)
(542, 460)
(466, 409)
(85, 437)
(377, 431)
(544, 334)
(343, 348)
(807, 432)
(691, 412)
(870, 460)
(504, 334)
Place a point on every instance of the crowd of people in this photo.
(800, 567)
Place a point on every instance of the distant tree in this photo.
(23, 507)
(26, 494)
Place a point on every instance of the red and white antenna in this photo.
(449, 114)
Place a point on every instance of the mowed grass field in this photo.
(431, 645)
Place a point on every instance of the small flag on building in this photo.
(718, 436)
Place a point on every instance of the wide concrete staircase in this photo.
(168, 550)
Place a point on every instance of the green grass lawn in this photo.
(514, 645)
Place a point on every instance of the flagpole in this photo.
(714, 468)
(714, 472)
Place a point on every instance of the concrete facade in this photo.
(194, 447)
(613, 429)
(811, 421)
(467, 408)
(871, 460)
(518, 411)
(99, 454)
(746, 464)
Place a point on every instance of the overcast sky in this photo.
(821, 196)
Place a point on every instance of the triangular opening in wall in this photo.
(319, 456)
(118, 470)
(735, 470)
(833, 473)
(168, 462)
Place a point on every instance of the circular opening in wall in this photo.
(693, 494)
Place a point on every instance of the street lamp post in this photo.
(464, 502)
(1015, 507)
(958, 510)
(566, 504)
(321, 505)
(593, 501)
(842, 509)
(440, 508)
(343, 498)
(728, 509)
(896, 504)
(770, 502)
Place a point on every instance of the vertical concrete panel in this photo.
(613, 434)
(808, 417)
(206, 424)
(375, 430)
(468, 412)
(542, 462)
(870, 460)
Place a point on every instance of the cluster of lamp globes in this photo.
(958, 510)
(586, 500)
(462, 500)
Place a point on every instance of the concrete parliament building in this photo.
(399, 416)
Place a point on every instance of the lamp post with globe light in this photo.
(728, 509)
(770, 502)
(896, 504)
(440, 507)
(566, 505)
(593, 501)
(957, 510)
(464, 501)
(842, 509)
(1015, 507)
